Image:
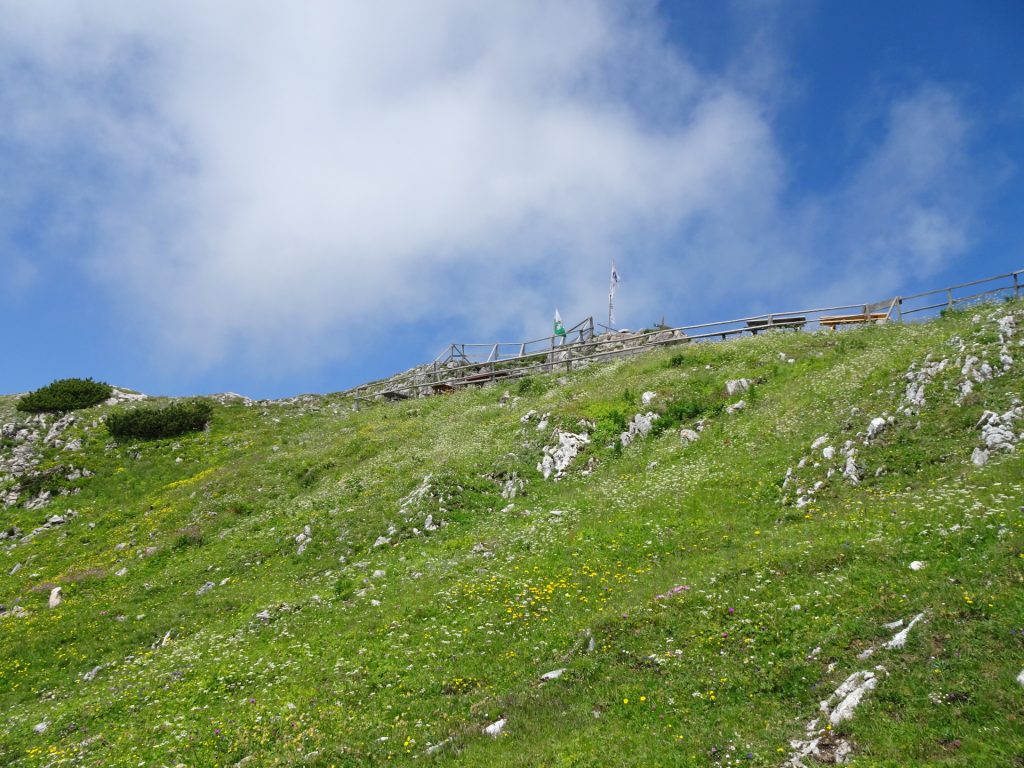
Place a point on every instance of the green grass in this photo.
(472, 614)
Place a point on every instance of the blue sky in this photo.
(276, 199)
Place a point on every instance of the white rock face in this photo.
(850, 695)
(303, 539)
(876, 427)
(837, 708)
(735, 386)
(557, 458)
(639, 426)
(121, 396)
(851, 471)
(494, 729)
(900, 638)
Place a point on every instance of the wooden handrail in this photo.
(589, 344)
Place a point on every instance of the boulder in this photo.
(734, 387)
(688, 436)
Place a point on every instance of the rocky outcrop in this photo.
(558, 457)
(639, 426)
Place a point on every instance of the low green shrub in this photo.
(65, 395)
(530, 385)
(150, 422)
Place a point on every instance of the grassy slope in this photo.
(471, 615)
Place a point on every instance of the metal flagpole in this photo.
(612, 286)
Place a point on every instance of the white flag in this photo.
(614, 283)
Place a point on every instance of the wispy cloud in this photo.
(258, 184)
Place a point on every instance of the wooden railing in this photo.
(512, 350)
(462, 365)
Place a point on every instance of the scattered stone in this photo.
(688, 436)
(381, 541)
(304, 539)
(850, 693)
(739, 405)
(917, 565)
(91, 674)
(851, 471)
(205, 588)
(379, 574)
(56, 597)
(494, 729)
(435, 748)
(647, 397)
(41, 727)
(900, 638)
(876, 427)
(557, 458)
(828, 452)
(639, 426)
(736, 386)
(553, 674)
(818, 442)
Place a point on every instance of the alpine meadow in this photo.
(786, 549)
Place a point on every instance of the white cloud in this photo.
(909, 209)
(265, 181)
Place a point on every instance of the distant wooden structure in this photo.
(461, 365)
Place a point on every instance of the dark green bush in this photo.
(530, 385)
(65, 395)
(151, 422)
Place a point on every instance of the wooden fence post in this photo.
(949, 298)
(1016, 285)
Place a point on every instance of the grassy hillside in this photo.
(303, 584)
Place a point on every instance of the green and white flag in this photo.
(559, 328)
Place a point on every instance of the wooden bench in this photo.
(485, 376)
(767, 323)
(832, 321)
